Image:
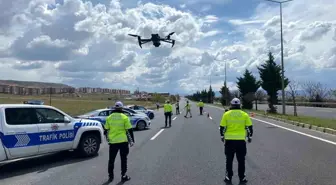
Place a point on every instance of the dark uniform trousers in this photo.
(124, 150)
(168, 115)
(237, 147)
(201, 110)
(177, 110)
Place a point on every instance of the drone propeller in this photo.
(171, 33)
(133, 35)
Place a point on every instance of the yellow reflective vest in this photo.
(235, 122)
(167, 107)
(200, 104)
(117, 124)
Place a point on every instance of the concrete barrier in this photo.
(330, 131)
(321, 129)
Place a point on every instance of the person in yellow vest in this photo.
(119, 135)
(168, 111)
(235, 126)
(187, 107)
(200, 105)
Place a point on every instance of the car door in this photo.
(20, 132)
(103, 115)
(133, 123)
(56, 133)
(142, 109)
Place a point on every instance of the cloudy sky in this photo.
(85, 43)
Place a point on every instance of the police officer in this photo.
(201, 105)
(187, 107)
(168, 109)
(177, 107)
(233, 127)
(120, 135)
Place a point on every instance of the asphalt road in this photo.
(190, 152)
(305, 111)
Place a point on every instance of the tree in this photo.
(315, 92)
(226, 95)
(247, 86)
(235, 93)
(259, 96)
(211, 95)
(270, 75)
(292, 91)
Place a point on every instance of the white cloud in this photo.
(84, 44)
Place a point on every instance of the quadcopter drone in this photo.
(155, 39)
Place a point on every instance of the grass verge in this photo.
(319, 122)
(73, 106)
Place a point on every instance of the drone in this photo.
(155, 39)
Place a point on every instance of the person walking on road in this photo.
(177, 105)
(235, 126)
(187, 107)
(168, 109)
(200, 105)
(120, 135)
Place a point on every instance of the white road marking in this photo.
(210, 117)
(174, 118)
(292, 130)
(157, 134)
(298, 132)
(324, 110)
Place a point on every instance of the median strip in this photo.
(313, 123)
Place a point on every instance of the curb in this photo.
(299, 124)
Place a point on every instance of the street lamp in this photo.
(225, 78)
(282, 61)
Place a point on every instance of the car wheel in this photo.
(89, 145)
(141, 125)
(151, 116)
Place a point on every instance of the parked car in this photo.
(139, 121)
(129, 110)
(137, 108)
(34, 102)
(33, 130)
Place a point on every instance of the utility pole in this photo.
(50, 95)
(282, 58)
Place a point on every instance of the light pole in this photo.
(225, 85)
(282, 61)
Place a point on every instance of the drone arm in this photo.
(168, 41)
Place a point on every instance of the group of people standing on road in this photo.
(235, 126)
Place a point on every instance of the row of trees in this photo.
(207, 96)
(267, 87)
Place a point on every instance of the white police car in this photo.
(137, 108)
(138, 120)
(32, 130)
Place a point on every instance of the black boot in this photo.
(228, 180)
(243, 181)
(125, 178)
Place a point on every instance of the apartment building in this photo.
(18, 90)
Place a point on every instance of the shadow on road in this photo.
(39, 164)
(119, 183)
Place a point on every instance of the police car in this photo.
(32, 130)
(138, 120)
(137, 108)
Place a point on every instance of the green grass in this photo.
(320, 122)
(73, 106)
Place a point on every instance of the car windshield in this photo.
(95, 112)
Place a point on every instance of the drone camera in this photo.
(156, 44)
